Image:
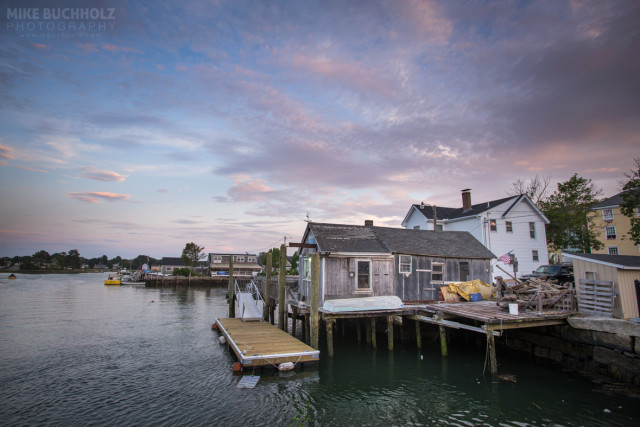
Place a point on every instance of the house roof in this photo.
(447, 214)
(625, 262)
(610, 202)
(171, 261)
(370, 239)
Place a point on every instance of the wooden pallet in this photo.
(262, 344)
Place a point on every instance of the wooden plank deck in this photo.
(489, 313)
(262, 344)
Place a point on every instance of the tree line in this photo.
(72, 260)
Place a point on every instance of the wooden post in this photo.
(232, 302)
(418, 334)
(491, 348)
(443, 341)
(294, 320)
(374, 345)
(313, 300)
(368, 332)
(390, 332)
(267, 289)
(307, 338)
(358, 331)
(272, 310)
(329, 323)
(282, 276)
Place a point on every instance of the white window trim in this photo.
(495, 221)
(532, 230)
(507, 225)
(605, 216)
(367, 290)
(535, 254)
(595, 275)
(404, 264)
(606, 233)
(438, 272)
(613, 247)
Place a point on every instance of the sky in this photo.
(135, 127)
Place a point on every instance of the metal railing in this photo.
(255, 299)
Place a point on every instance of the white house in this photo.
(510, 225)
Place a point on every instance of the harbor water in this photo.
(76, 352)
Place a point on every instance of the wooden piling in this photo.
(282, 276)
(374, 345)
(267, 289)
(358, 331)
(443, 341)
(368, 332)
(232, 294)
(390, 332)
(294, 320)
(313, 300)
(491, 348)
(329, 324)
(418, 334)
(307, 337)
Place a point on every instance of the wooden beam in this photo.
(491, 348)
(302, 245)
(519, 325)
(455, 325)
(374, 345)
(443, 341)
(418, 334)
(232, 293)
(329, 324)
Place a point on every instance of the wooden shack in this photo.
(368, 261)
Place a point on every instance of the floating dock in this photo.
(260, 343)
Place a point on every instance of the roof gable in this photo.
(365, 239)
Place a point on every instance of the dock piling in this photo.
(294, 320)
(313, 299)
(374, 345)
(282, 276)
(418, 334)
(390, 332)
(232, 303)
(267, 288)
(443, 341)
(329, 324)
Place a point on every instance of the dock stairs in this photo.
(250, 304)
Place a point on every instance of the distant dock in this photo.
(260, 343)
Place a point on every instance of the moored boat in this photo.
(113, 280)
(12, 276)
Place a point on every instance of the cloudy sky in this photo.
(151, 124)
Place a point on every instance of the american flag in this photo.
(506, 259)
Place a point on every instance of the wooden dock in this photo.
(262, 344)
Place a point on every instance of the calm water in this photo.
(75, 352)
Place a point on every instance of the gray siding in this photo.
(418, 285)
(340, 285)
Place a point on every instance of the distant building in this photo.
(612, 228)
(509, 225)
(244, 265)
(168, 264)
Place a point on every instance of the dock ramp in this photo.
(250, 304)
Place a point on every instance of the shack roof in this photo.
(371, 239)
(625, 262)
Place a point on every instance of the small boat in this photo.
(12, 276)
(113, 280)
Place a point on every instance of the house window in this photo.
(439, 227)
(363, 275)
(239, 258)
(416, 227)
(607, 214)
(509, 227)
(217, 259)
(307, 268)
(464, 271)
(251, 259)
(532, 230)
(493, 226)
(590, 275)
(613, 250)
(535, 256)
(610, 231)
(437, 272)
(405, 264)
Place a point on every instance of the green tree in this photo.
(294, 262)
(631, 201)
(191, 254)
(60, 260)
(41, 257)
(73, 259)
(567, 208)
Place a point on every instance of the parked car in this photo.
(563, 273)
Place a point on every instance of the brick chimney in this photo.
(466, 199)
(368, 223)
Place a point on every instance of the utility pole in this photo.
(435, 218)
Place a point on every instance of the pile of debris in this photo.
(536, 294)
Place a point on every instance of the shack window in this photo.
(532, 230)
(307, 268)
(405, 264)
(437, 272)
(590, 275)
(464, 271)
(416, 227)
(509, 226)
(363, 275)
(493, 225)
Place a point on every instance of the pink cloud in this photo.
(6, 152)
(114, 48)
(98, 196)
(88, 47)
(353, 74)
(40, 46)
(32, 169)
(100, 175)
(247, 189)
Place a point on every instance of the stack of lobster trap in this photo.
(536, 294)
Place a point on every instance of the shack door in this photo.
(428, 291)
